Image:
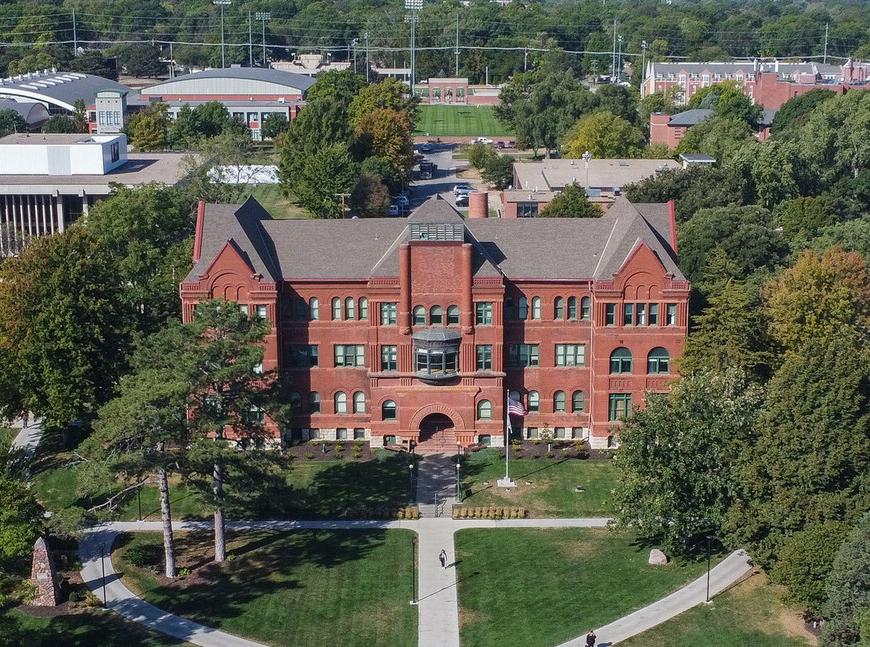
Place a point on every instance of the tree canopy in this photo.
(571, 203)
(603, 134)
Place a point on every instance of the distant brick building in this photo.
(767, 83)
(670, 129)
(412, 330)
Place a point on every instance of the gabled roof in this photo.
(690, 117)
(359, 249)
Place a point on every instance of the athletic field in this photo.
(459, 121)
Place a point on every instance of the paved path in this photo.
(28, 438)
(436, 481)
(438, 608)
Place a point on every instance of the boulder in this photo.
(657, 558)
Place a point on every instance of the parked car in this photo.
(462, 200)
(394, 210)
(500, 145)
(462, 188)
(426, 148)
(401, 200)
(481, 140)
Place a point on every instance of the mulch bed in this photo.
(555, 450)
(330, 450)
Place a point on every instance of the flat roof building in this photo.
(411, 331)
(48, 180)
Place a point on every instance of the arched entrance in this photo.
(437, 433)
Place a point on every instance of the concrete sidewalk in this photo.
(27, 440)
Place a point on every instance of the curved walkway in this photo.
(438, 614)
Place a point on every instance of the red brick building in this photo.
(411, 330)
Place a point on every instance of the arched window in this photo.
(295, 402)
(388, 410)
(578, 402)
(523, 308)
(363, 308)
(313, 309)
(419, 316)
(336, 309)
(359, 402)
(349, 308)
(484, 410)
(658, 361)
(559, 308)
(435, 317)
(536, 307)
(585, 308)
(620, 361)
(340, 402)
(534, 402)
(559, 402)
(572, 307)
(452, 315)
(314, 402)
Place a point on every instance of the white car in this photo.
(481, 140)
(462, 188)
(401, 200)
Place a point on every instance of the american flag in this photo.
(515, 408)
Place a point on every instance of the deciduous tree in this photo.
(320, 183)
(719, 137)
(386, 133)
(11, 122)
(148, 129)
(370, 197)
(389, 93)
(21, 520)
(604, 135)
(571, 203)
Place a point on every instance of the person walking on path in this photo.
(442, 557)
(590, 639)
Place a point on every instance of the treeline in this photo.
(764, 441)
(698, 31)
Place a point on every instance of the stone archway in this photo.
(437, 428)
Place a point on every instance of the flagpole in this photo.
(506, 481)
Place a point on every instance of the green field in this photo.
(459, 121)
(539, 588)
(306, 588)
(751, 613)
(276, 203)
(545, 487)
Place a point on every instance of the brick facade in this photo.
(488, 284)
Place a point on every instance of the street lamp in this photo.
(413, 6)
(458, 482)
(263, 16)
(222, 4)
(411, 481)
(586, 157)
(708, 569)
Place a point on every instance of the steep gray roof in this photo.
(521, 248)
(690, 117)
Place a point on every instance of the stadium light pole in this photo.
(413, 6)
(263, 16)
(222, 4)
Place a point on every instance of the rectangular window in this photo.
(359, 434)
(388, 314)
(671, 314)
(314, 434)
(349, 355)
(627, 313)
(609, 314)
(243, 308)
(302, 355)
(260, 312)
(341, 433)
(577, 433)
(483, 313)
(559, 433)
(620, 405)
(483, 353)
(570, 354)
(653, 314)
(527, 209)
(640, 314)
(523, 355)
(389, 358)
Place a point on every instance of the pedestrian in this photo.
(590, 639)
(442, 557)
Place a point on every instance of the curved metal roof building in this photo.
(58, 91)
(232, 82)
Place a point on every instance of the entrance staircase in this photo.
(441, 442)
(436, 484)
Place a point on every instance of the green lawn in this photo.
(459, 121)
(81, 628)
(543, 587)
(289, 489)
(306, 588)
(553, 483)
(7, 435)
(751, 613)
(276, 203)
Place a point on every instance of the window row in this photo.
(640, 314)
(436, 316)
(341, 404)
(531, 308)
(658, 361)
(533, 401)
(526, 355)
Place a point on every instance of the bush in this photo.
(480, 154)
(183, 572)
(309, 455)
(144, 555)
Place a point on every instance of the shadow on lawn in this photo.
(472, 469)
(260, 563)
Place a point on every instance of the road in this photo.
(444, 180)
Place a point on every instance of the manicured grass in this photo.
(553, 482)
(297, 488)
(7, 435)
(459, 121)
(81, 628)
(276, 203)
(752, 613)
(543, 587)
(305, 588)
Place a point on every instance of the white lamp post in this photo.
(586, 157)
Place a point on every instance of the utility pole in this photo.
(171, 62)
(456, 47)
(613, 54)
(368, 67)
(825, 57)
(353, 44)
(643, 47)
(75, 37)
(619, 61)
(525, 60)
(263, 16)
(250, 42)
